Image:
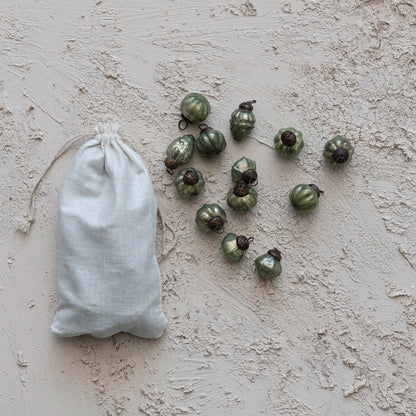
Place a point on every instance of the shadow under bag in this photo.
(108, 275)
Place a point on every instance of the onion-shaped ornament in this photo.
(195, 109)
(242, 197)
(305, 197)
(189, 182)
(211, 217)
(338, 151)
(210, 142)
(288, 141)
(242, 121)
(244, 170)
(268, 265)
(179, 151)
(234, 246)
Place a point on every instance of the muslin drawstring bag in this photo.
(108, 275)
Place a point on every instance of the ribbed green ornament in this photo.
(242, 121)
(189, 182)
(338, 151)
(288, 141)
(210, 142)
(211, 217)
(180, 151)
(195, 109)
(242, 197)
(305, 197)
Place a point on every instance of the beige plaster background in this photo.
(335, 333)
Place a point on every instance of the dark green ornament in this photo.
(268, 265)
(242, 197)
(189, 182)
(338, 151)
(210, 142)
(211, 217)
(242, 121)
(288, 141)
(244, 170)
(234, 246)
(305, 197)
(195, 108)
(179, 151)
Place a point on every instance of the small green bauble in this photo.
(234, 246)
(268, 265)
(211, 217)
(195, 108)
(242, 120)
(241, 197)
(244, 170)
(305, 197)
(189, 182)
(338, 151)
(180, 151)
(210, 142)
(288, 141)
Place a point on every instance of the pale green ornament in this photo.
(244, 170)
(234, 246)
(268, 265)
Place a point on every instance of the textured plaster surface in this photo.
(335, 334)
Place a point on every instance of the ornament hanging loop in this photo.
(204, 127)
(183, 123)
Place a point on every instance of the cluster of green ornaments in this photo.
(241, 197)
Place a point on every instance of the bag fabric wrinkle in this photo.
(108, 275)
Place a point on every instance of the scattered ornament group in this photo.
(189, 182)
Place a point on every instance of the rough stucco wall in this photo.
(335, 333)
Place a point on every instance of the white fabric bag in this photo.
(108, 275)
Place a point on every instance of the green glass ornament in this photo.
(244, 170)
(179, 151)
(305, 197)
(189, 182)
(338, 151)
(211, 217)
(195, 108)
(210, 142)
(234, 246)
(288, 141)
(241, 197)
(242, 120)
(268, 265)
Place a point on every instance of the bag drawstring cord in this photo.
(165, 226)
(30, 216)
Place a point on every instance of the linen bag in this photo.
(108, 275)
